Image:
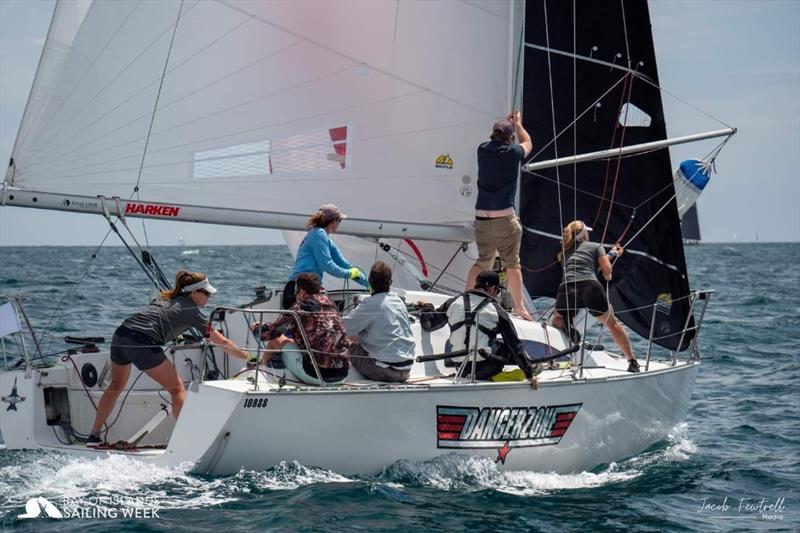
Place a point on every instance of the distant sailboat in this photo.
(690, 227)
(187, 251)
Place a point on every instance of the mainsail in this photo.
(591, 84)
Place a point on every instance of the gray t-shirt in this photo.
(382, 325)
(163, 320)
(582, 263)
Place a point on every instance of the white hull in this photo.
(361, 430)
(572, 423)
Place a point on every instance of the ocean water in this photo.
(737, 453)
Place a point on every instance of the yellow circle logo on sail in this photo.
(664, 303)
(444, 161)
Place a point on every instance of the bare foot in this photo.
(522, 313)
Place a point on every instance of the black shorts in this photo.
(581, 294)
(328, 374)
(129, 346)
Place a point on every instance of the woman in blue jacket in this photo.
(319, 254)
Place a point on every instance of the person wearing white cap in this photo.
(140, 338)
(319, 255)
(580, 289)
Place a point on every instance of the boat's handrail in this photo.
(16, 303)
(220, 311)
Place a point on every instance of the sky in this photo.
(737, 61)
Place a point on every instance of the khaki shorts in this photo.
(498, 236)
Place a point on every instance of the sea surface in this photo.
(737, 453)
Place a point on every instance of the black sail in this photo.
(586, 75)
(690, 225)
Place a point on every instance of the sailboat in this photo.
(690, 227)
(255, 113)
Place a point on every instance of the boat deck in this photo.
(268, 380)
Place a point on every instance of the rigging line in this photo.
(432, 266)
(574, 111)
(650, 220)
(584, 112)
(70, 292)
(699, 110)
(518, 67)
(93, 98)
(360, 62)
(90, 66)
(625, 31)
(555, 143)
(619, 163)
(587, 193)
(433, 285)
(55, 159)
(634, 252)
(628, 81)
(153, 118)
(671, 183)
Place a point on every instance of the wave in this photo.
(55, 476)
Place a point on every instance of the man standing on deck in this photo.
(497, 228)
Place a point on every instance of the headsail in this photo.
(257, 106)
(587, 90)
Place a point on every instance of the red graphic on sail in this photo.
(339, 138)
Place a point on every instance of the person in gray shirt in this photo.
(380, 329)
(580, 289)
(140, 338)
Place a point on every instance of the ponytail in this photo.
(182, 279)
(568, 237)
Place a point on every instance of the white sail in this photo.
(269, 106)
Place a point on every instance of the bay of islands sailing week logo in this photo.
(132, 208)
(40, 507)
(13, 399)
(503, 428)
(444, 161)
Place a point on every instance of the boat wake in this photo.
(55, 476)
(456, 472)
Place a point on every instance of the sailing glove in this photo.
(357, 275)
